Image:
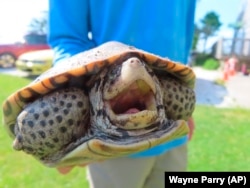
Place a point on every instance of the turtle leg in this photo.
(179, 100)
(52, 122)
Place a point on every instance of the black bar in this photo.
(209, 179)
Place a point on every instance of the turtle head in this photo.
(130, 96)
(136, 99)
(131, 99)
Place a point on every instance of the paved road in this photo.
(239, 89)
(235, 93)
(13, 71)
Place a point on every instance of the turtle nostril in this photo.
(134, 62)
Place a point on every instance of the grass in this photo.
(220, 143)
(221, 140)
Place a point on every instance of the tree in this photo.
(195, 37)
(210, 24)
(39, 24)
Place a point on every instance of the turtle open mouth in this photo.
(138, 97)
(134, 107)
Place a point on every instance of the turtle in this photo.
(110, 101)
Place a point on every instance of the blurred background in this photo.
(220, 57)
(222, 30)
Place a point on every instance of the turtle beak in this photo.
(133, 74)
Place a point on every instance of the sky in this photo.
(228, 11)
(16, 14)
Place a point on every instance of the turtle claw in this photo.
(18, 144)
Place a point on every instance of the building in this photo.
(239, 45)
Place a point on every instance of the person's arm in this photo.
(190, 14)
(68, 28)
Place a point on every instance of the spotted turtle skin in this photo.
(110, 101)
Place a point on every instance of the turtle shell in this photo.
(83, 66)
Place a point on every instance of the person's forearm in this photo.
(68, 28)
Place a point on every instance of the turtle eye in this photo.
(114, 73)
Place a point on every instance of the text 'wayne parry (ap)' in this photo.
(210, 178)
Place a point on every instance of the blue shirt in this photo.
(162, 27)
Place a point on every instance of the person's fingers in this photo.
(82, 165)
(191, 125)
(64, 170)
(67, 169)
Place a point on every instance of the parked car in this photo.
(9, 53)
(36, 62)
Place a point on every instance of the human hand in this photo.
(66, 169)
(191, 126)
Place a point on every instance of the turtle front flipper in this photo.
(53, 121)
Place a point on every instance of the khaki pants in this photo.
(145, 172)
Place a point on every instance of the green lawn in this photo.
(221, 140)
(221, 143)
